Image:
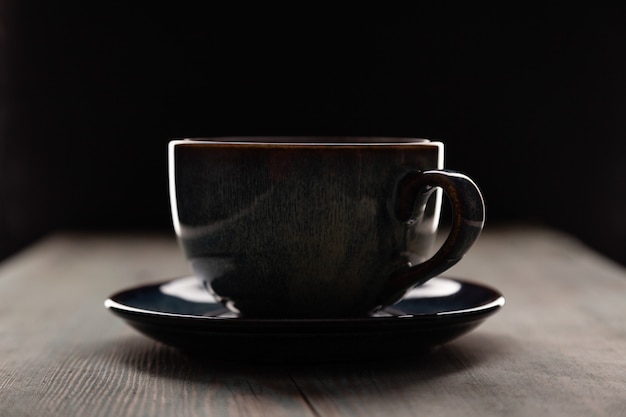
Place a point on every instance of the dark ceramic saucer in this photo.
(182, 314)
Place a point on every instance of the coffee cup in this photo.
(317, 227)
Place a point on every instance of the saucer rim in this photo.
(452, 317)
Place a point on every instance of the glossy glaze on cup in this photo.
(299, 229)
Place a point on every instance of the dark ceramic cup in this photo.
(308, 227)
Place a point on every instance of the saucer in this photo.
(182, 314)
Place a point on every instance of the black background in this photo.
(530, 103)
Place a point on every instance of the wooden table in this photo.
(558, 347)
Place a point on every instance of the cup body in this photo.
(299, 227)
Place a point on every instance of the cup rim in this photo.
(304, 140)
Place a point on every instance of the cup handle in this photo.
(468, 218)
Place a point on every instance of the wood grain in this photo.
(558, 347)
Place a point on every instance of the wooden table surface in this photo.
(557, 348)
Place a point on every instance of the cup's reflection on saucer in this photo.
(192, 289)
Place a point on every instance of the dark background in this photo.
(530, 103)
